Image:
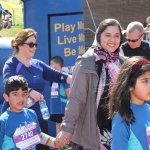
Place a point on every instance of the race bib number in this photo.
(54, 89)
(26, 137)
(148, 136)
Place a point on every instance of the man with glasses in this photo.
(135, 46)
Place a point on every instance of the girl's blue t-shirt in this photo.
(132, 136)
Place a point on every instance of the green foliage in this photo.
(15, 7)
(11, 32)
(0, 27)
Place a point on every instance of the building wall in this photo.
(125, 11)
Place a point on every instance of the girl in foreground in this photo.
(128, 107)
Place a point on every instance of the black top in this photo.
(143, 50)
(103, 122)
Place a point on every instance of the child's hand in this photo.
(36, 95)
(55, 143)
(48, 140)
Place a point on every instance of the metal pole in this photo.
(13, 16)
(91, 13)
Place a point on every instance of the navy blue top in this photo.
(36, 75)
(143, 50)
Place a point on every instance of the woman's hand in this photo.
(63, 138)
(69, 79)
(36, 95)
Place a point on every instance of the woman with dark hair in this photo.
(85, 121)
(128, 107)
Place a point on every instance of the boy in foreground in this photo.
(19, 127)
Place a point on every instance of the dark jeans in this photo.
(75, 146)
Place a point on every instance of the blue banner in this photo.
(67, 37)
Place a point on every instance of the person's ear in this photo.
(20, 46)
(130, 88)
(59, 66)
(143, 36)
(5, 97)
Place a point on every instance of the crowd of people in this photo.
(105, 107)
(6, 21)
(5, 18)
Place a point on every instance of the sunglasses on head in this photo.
(31, 45)
(134, 40)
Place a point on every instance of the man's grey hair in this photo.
(135, 25)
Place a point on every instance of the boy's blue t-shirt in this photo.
(58, 98)
(10, 121)
(35, 75)
(132, 136)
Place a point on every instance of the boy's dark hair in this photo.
(58, 60)
(14, 83)
(119, 101)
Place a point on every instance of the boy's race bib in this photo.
(54, 89)
(26, 137)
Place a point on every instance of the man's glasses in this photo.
(134, 40)
(31, 45)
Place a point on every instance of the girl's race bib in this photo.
(148, 136)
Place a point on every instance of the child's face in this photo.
(53, 65)
(17, 99)
(141, 92)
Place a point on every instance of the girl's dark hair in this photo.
(119, 101)
(14, 83)
(106, 23)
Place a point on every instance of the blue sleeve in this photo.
(53, 75)
(67, 86)
(120, 134)
(9, 70)
(2, 129)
